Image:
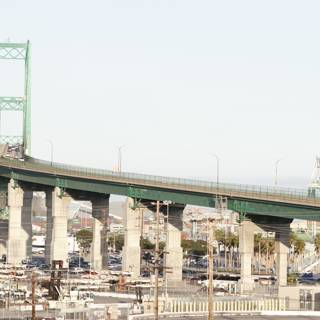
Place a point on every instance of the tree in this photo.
(84, 239)
(317, 243)
(119, 241)
(293, 238)
(232, 241)
(264, 247)
(298, 246)
(147, 244)
(197, 248)
(220, 237)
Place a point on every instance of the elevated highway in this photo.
(248, 199)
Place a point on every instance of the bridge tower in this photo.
(22, 142)
(314, 190)
(315, 178)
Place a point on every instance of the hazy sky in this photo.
(174, 81)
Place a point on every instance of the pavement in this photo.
(268, 316)
(249, 317)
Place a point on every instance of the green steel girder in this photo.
(3, 195)
(19, 51)
(27, 107)
(4, 213)
(16, 51)
(11, 104)
(12, 140)
(253, 207)
(275, 210)
(180, 197)
(4, 184)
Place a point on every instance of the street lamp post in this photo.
(167, 203)
(210, 248)
(218, 167)
(120, 158)
(276, 171)
(51, 150)
(210, 240)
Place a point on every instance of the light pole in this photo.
(156, 270)
(167, 203)
(276, 171)
(51, 150)
(120, 158)
(218, 167)
(211, 230)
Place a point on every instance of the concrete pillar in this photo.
(3, 195)
(282, 244)
(26, 220)
(17, 236)
(49, 227)
(3, 223)
(57, 227)
(174, 256)
(246, 247)
(96, 258)
(131, 250)
(3, 236)
(99, 247)
(3, 248)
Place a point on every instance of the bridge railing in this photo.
(226, 305)
(210, 187)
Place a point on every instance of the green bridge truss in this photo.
(18, 51)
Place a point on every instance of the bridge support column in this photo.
(4, 237)
(174, 255)
(99, 247)
(131, 250)
(18, 237)
(282, 244)
(246, 245)
(49, 227)
(26, 220)
(3, 223)
(57, 226)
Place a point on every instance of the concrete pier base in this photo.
(49, 227)
(96, 254)
(99, 247)
(26, 221)
(18, 237)
(4, 237)
(282, 245)
(246, 245)
(131, 251)
(174, 255)
(57, 225)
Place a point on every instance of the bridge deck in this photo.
(250, 192)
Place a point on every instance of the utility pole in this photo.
(33, 297)
(218, 168)
(9, 294)
(210, 269)
(165, 270)
(120, 158)
(156, 265)
(259, 268)
(141, 234)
